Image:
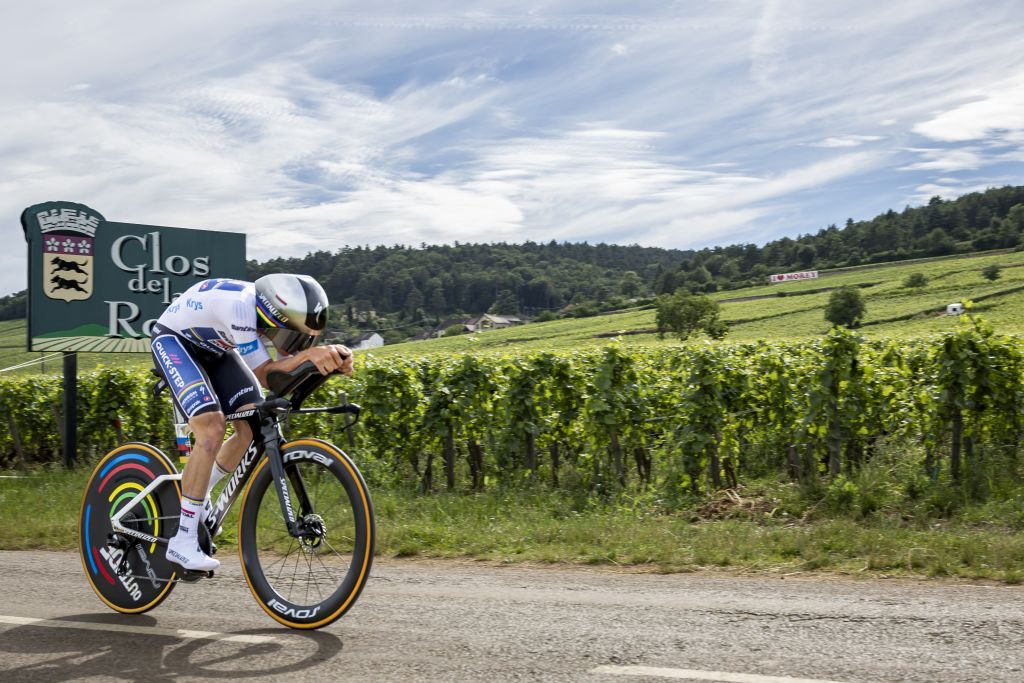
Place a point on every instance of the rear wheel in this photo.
(147, 578)
(310, 581)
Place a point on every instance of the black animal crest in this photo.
(65, 283)
(66, 264)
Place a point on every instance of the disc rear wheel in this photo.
(145, 578)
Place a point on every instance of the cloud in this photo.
(947, 188)
(847, 141)
(681, 125)
(947, 160)
(998, 111)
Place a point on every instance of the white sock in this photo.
(190, 517)
(216, 474)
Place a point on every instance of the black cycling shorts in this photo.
(201, 381)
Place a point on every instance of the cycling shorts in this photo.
(201, 381)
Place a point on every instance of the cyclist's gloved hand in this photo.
(331, 358)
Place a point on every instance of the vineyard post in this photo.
(449, 456)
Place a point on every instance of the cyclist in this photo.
(211, 345)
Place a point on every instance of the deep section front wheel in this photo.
(307, 581)
(146, 577)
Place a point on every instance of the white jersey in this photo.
(219, 316)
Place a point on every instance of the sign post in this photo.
(98, 286)
(70, 408)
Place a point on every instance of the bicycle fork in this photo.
(281, 475)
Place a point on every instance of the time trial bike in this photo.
(305, 526)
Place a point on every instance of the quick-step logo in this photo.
(166, 361)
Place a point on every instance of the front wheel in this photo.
(309, 581)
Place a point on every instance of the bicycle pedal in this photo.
(192, 575)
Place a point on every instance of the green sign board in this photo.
(95, 285)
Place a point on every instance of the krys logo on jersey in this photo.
(99, 285)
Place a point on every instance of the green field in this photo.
(12, 352)
(790, 311)
(888, 516)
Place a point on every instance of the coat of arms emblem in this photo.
(67, 242)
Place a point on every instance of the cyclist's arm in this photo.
(328, 358)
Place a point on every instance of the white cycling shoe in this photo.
(185, 551)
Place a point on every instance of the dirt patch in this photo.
(731, 504)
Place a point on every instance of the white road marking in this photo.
(137, 630)
(695, 675)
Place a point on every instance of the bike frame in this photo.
(264, 420)
(266, 424)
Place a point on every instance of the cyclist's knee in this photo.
(242, 430)
(209, 429)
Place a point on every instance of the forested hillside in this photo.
(429, 282)
(505, 278)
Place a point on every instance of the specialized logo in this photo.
(287, 500)
(226, 496)
(67, 241)
(268, 312)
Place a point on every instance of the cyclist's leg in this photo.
(239, 389)
(231, 379)
(192, 391)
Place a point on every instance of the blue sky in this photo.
(310, 125)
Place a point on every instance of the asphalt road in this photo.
(448, 621)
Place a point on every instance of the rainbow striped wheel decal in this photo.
(115, 484)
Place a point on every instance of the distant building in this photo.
(954, 309)
(493, 322)
(370, 340)
(478, 323)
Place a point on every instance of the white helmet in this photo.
(291, 310)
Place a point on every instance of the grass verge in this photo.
(40, 511)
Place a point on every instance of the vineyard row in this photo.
(681, 420)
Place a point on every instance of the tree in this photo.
(631, 285)
(805, 255)
(506, 303)
(992, 272)
(845, 307)
(938, 243)
(683, 314)
(915, 281)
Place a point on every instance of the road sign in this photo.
(788, 277)
(97, 285)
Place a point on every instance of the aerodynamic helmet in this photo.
(291, 310)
